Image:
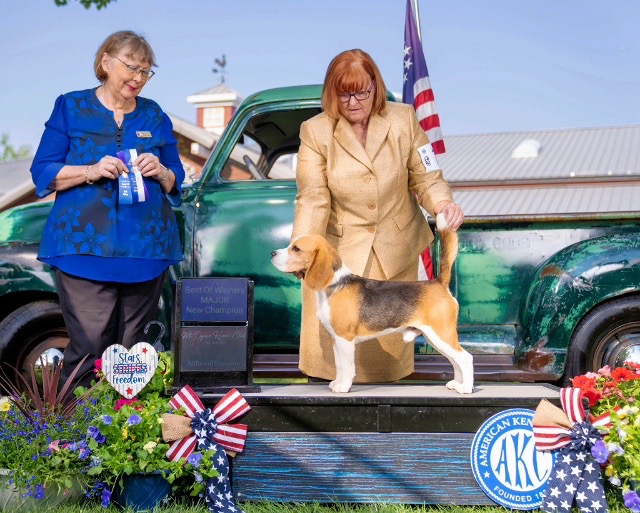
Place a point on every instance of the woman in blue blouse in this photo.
(110, 245)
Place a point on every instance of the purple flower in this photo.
(133, 420)
(106, 420)
(106, 498)
(194, 459)
(40, 492)
(94, 433)
(632, 501)
(600, 452)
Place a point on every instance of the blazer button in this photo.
(371, 206)
(371, 229)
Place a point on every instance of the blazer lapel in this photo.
(346, 137)
(376, 135)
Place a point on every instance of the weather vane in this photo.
(220, 67)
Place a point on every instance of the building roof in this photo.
(194, 132)
(566, 153)
(545, 171)
(220, 93)
(15, 181)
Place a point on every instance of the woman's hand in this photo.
(107, 167)
(150, 167)
(452, 213)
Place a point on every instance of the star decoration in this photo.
(565, 505)
(566, 458)
(570, 488)
(554, 492)
(561, 474)
(407, 49)
(581, 496)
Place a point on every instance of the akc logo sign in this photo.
(505, 461)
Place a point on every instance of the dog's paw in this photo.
(340, 387)
(461, 388)
(453, 385)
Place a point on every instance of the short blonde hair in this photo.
(135, 45)
(352, 70)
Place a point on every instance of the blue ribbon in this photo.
(576, 475)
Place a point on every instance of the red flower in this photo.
(593, 395)
(622, 374)
(121, 402)
(97, 366)
(583, 382)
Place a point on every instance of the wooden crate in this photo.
(378, 443)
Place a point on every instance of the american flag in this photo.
(416, 88)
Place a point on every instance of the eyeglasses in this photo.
(360, 95)
(134, 70)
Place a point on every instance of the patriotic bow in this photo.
(201, 423)
(576, 474)
(208, 430)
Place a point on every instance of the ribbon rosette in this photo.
(203, 422)
(208, 429)
(576, 474)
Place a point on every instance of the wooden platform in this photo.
(378, 443)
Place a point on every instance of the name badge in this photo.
(143, 134)
(428, 157)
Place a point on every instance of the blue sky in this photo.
(495, 65)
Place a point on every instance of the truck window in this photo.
(268, 146)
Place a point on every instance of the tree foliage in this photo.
(8, 152)
(86, 3)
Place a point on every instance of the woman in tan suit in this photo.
(364, 167)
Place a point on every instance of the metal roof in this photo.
(574, 170)
(15, 181)
(566, 153)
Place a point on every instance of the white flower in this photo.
(5, 403)
(615, 448)
(615, 481)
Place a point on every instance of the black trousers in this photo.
(98, 314)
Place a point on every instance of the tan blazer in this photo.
(364, 200)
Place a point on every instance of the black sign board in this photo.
(213, 334)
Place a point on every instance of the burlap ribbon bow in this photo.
(576, 474)
(184, 432)
(208, 430)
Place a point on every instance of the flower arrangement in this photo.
(44, 434)
(617, 391)
(126, 437)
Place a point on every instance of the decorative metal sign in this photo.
(129, 370)
(506, 463)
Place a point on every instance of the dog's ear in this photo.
(320, 271)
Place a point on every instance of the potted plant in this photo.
(617, 391)
(129, 454)
(44, 440)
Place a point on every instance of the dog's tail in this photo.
(449, 245)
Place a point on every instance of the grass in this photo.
(276, 507)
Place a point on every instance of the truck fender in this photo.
(566, 287)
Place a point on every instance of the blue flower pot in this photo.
(141, 492)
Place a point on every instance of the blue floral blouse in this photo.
(89, 234)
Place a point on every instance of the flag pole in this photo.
(416, 13)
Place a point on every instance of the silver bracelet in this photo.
(166, 174)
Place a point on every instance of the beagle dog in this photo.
(354, 309)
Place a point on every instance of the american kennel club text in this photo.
(506, 463)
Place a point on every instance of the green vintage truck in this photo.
(541, 299)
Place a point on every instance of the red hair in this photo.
(349, 71)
